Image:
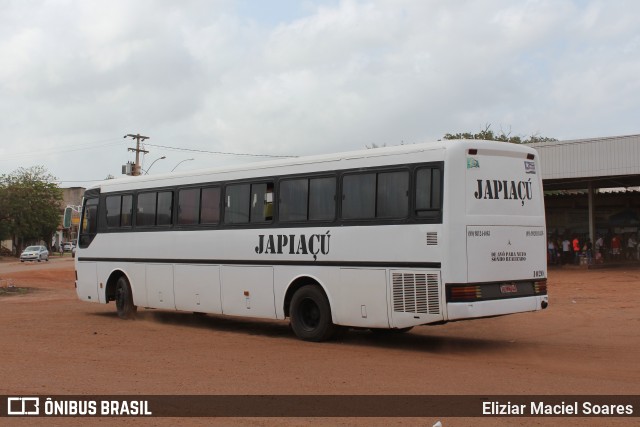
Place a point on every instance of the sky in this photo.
(220, 82)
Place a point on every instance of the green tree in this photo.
(30, 203)
(488, 134)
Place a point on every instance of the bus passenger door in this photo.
(248, 291)
(159, 279)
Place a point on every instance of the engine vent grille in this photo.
(416, 293)
(432, 238)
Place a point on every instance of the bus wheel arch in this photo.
(308, 307)
(293, 288)
(119, 290)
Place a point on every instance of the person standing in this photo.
(599, 249)
(631, 247)
(588, 251)
(566, 250)
(576, 250)
(615, 247)
(551, 247)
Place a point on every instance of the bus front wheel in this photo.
(311, 314)
(124, 299)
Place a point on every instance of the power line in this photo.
(77, 180)
(193, 150)
(69, 148)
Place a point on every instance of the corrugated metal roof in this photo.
(563, 193)
(589, 158)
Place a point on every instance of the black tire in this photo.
(39, 258)
(310, 314)
(124, 299)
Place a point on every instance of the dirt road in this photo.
(586, 342)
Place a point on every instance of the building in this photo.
(592, 187)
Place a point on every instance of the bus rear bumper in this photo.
(471, 310)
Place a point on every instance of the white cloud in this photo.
(305, 77)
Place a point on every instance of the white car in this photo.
(34, 253)
(68, 246)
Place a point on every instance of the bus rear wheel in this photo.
(311, 314)
(124, 299)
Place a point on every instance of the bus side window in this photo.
(393, 195)
(188, 206)
(165, 208)
(114, 210)
(127, 210)
(119, 210)
(146, 212)
(236, 208)
(261, 202)
(293, 200)
(303, 199)
(322, 199)
(268, 203)
(210, 205)
(428, 192)
(359, 196)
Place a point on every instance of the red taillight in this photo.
(465, 293)
(540, 287)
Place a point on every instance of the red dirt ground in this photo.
(586, 342)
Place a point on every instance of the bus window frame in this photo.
(275, 181)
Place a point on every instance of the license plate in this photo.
(509, 289)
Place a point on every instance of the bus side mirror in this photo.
(66, 222)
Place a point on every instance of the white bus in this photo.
(384, 239)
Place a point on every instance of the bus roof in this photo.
(343, 160)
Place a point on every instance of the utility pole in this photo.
(139, 138)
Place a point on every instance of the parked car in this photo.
(34, 253)
(68, 246)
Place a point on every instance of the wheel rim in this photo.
(309, 314)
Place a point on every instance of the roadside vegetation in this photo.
(29, 206)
